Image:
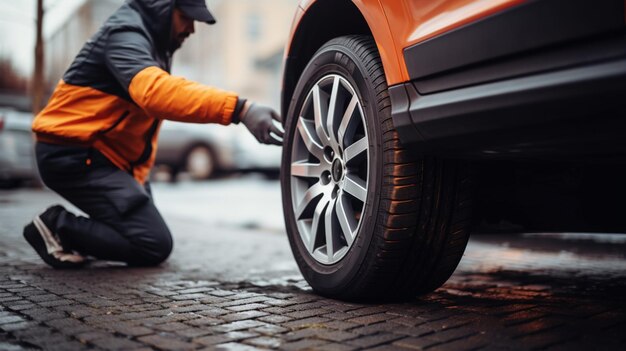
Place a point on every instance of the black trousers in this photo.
(123, 224)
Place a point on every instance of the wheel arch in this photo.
(341, 17)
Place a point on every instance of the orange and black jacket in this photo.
(118, 90)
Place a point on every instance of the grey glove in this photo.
(260, 122)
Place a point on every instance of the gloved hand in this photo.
(260, 122)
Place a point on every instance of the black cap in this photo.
(196, 9)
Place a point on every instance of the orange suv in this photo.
(410, 122)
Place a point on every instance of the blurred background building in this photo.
(242, 52)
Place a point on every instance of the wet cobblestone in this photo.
(485, 305)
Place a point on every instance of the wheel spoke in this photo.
(354, 150)
(306, 169)
(356, 187)
(330, 120)
(306, 129)
(311, 194)
(315, 223)
(330, 230)
(345, 119)
(346, 219)
(320, 112)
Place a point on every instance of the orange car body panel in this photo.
(414, 21)
(397, 24)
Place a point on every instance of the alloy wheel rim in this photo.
(330, 169)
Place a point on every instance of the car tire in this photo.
(200, 162)
(407, 224)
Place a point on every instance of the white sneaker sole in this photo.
(53, 246)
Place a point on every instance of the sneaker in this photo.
(48, 244)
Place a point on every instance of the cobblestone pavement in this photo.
(236, 288)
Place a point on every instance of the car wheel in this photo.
(366, 218)
(199, 162)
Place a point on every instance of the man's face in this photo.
(182, 27)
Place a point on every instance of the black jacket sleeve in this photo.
(127, 53)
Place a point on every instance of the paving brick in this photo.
(340, 325)
(214, 312)
(196, 296)
(140, 315)
(371, 319)
(305, 344)
(374, 328)
(170, 318)
(309, 306)
(265, 342)
(247, 307)
(307, 322)
(89, 336)
(221, 293)
(171, 326)
(239, 325)
(306, 313)
(277, 310)
(43, 314)
(11, 319)
(115, 343)
(270, 329)
(243, 315)
(374, 340)
(278, 303)
(192, 308)
(275, 319)
(364, 311)
(474, 342)
(241, 302)
(522, 316)
(546, 339)
(233, 346)
(195, 290)
(166, 343)
(67, 345)
(193, 332)
(9, 299)
(535, 326)
(302, 334)
(181, 303)
(69, 326)
(335, 347)
(224, 338)
(337, 335)
(203, 321)
(338, 315)
(132, 330)
(20, 305)
(11, 327)
(55, 303)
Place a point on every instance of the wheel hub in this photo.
(337, 170)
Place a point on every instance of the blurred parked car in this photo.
(203, 150)
(17, 156)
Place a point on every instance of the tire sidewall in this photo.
(335, 58)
